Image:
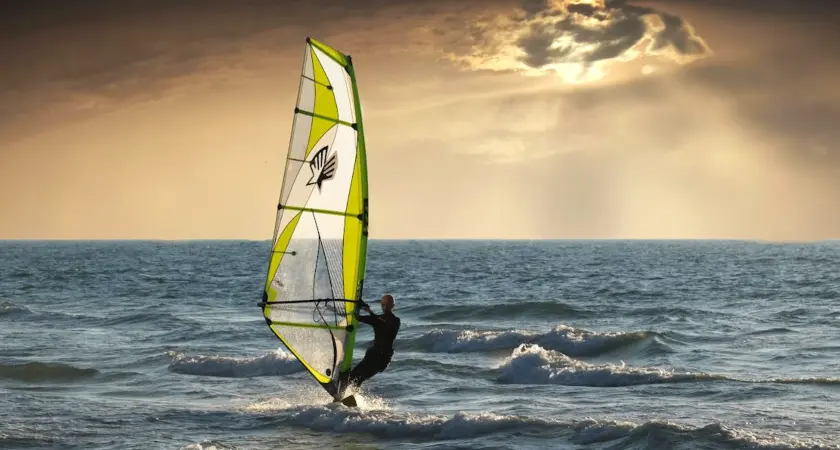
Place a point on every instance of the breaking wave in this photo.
(569, 340)
(463, 425)
(532, 364)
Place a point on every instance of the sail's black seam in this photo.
(326, 260)
(332, 336)
(336, 262)
(317, 305)
(328, 263)
(318, 82)
(315, 273)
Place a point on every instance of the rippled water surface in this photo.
(527, 345)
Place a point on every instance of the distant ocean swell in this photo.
(39, 372)
(9, 309)
(518, 309)
(149, 315)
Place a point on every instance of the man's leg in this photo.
(366, 369)
(357, 376)
(369, 366)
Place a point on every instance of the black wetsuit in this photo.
(378, 356)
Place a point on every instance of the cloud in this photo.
(743, 145)
(63, 62)
(579, 39)
(66, 62)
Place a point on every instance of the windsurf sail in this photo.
(317, 265)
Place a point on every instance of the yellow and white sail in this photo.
(317, 264)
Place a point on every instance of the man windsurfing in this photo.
(378, 355)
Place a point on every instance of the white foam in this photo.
(451, 341)
(767, 439)
(334, 418)
(205, 445)
(393, 424)
(579, 342)
(275, 363)
(532, 364)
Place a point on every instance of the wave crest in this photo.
(532, 364)
(569, 340)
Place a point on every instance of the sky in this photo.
(519, 119)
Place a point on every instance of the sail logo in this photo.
(322, 167)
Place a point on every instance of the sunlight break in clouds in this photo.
(579, 39)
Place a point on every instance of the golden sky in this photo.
(483, 119)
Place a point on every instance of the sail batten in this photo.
(330, 119)
(317, 260)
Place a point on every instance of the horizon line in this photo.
(453, 239)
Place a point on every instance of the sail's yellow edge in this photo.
(352, 238)
(325, 104)
(334, 54)
(358, 193)
(278, 253)
(318, 376)
(352, 249)
(352, 230)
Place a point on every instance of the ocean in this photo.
(504, 344)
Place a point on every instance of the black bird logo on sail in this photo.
(322, 166)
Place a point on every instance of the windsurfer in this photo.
(378, 355)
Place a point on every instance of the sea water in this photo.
(504, 344)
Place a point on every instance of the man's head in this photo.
(387, 303)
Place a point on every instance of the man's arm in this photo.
(369, 319)
(362, 306)
(366, 319)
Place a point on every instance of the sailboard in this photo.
(317, 265)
